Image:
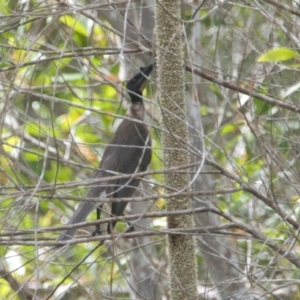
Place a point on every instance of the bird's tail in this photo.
(79, 216)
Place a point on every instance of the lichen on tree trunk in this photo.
(171, 87)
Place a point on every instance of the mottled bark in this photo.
(171, 90)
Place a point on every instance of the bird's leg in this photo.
(97, 230)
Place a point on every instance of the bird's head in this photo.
(137, 83)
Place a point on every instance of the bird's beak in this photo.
(141, 78)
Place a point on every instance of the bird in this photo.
(128, 152)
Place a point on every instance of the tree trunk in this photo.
(171, 89)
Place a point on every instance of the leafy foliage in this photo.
(62, 100)
(278, 54)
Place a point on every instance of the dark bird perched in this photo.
(128, 152)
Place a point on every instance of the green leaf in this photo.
(278, 54)
(74, 24)
(228, 128)
(261, 107)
